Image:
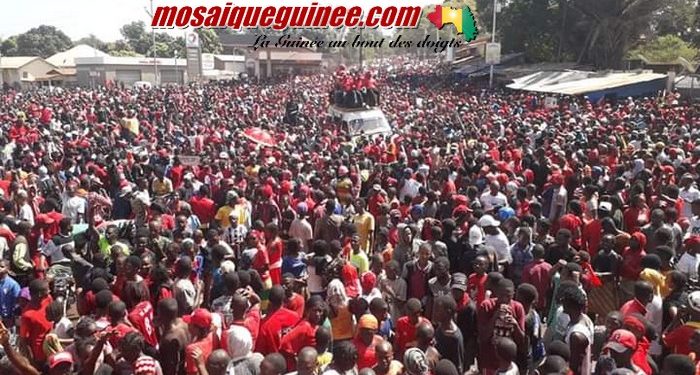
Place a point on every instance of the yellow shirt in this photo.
(342, 325)
(364, 223)
(131, 124)
(223, 216)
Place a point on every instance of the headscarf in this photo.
(240, 342)
(415, 361)
(336, 294)
(656, 279)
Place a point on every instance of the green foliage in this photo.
(209, 41)
(8, 47)
(675, 17)
(666, 48)
(41, 41)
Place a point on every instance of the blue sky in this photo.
(78, 18)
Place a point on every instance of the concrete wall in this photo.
(104, 73)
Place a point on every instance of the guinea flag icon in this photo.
(462, 19)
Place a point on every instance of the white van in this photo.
(362, 121)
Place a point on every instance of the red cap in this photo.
(60, 357)
(692, 240)
(200, 318)
(369, 280)
(621, 341)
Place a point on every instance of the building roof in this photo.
(16, 62)
(128, 60)
(576, 82)
(230, 58)
(67, 58)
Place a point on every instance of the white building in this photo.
(127, 70)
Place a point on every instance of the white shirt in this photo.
(694, 227)
(688, 197)
(490, 201)
(500, 244)
(654, 315)
(26, 214)
(410, 188)
(688, 264)
(301, 230)
(74, 207)
(559, 198)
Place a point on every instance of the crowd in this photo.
(142, 233)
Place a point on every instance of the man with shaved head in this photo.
(217, 363)
(307, 361)
(386, 365)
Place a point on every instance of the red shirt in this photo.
(275, 326)
(366, 357)
(484, 316)
(261, 263)
(632, 263)
(251, 322)
(678, 340)
(296, 304)
(274, 252)
(206, 346)
(141, 316)
(573, 223)
(122, 330)
(204, 208)
(406, 333)
(537, 274)
(34, 326)
(476, 286)
(304, 334)
(350, 280)
(591, 235)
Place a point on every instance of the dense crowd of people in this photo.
(142, 233)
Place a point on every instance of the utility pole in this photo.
(153, 36)
(361, 43)
(2, 79)
(493, 40)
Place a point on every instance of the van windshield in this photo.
(366, 125)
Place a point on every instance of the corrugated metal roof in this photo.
(15, 62)
(67, 58)
(578, 82)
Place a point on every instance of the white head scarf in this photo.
(240, 342)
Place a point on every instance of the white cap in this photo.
(476, 235)
(488, 221)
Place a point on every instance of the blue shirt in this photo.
(9, 292)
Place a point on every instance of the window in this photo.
(25, 75)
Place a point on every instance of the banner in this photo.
(493, 53)
(189, 160)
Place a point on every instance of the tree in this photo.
(9, 46)
(614, 27)
(42, 41)
(530, 26)
(209, 41)
(92, 41)
(666, 48)
(675, 17)
(119, 48)
(135, 34)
